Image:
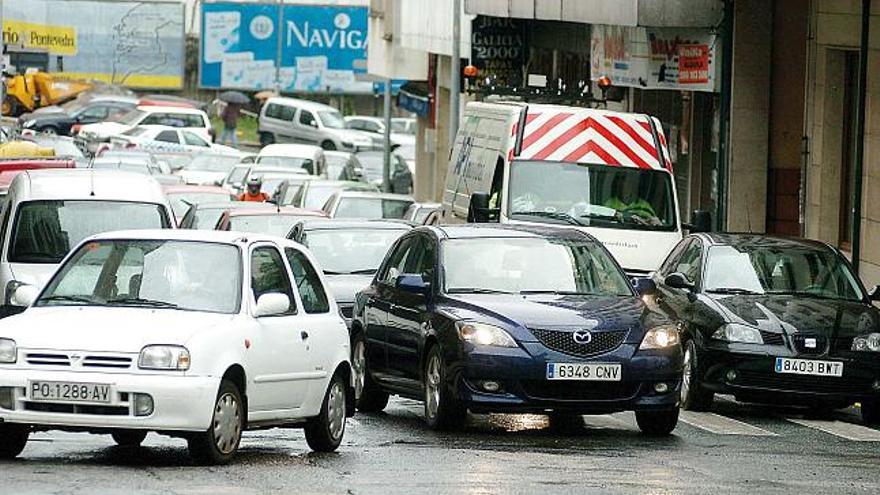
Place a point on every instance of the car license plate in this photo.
(809, 367)
(598, 372)
(91, 393)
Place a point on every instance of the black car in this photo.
(512, 319)
(773, 320)
(76, 113)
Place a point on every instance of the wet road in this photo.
(735, 449)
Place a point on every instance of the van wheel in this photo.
(443, 411)
(266, 139)
(368, 396)
(129, 438)
(328, 146)
(13, 438)
(219, 443)
(657, 423)
(324, 432)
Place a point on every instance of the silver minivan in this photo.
(289, 120)
(49, 211)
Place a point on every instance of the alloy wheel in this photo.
(227, 423)
(687, 371)
(432, 386)
(336, 410)
(359, 363)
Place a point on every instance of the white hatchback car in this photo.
(194, 334)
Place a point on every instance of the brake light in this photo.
(129, 146)
(75, 128)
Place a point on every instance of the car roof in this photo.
(737, 239)
(372, 194)
(233, 205)
(290, 150)
(365, 117)
(304, 104)
(343, 224)
(428, 205)
(219, 236)
(340, 183)
(282, 210)
(193, 188)
(507, 231)
(169, 109)
(89, 184)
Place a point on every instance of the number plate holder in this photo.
(812, 367)
(594, 372)
(70, 392)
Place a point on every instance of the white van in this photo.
(607, 173)
(289, 120)
(50, 211)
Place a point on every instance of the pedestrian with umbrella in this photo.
(230, 114)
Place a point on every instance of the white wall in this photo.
(386, 58)
(426, 25)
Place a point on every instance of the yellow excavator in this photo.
(35, 89)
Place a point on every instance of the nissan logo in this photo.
(582, 337)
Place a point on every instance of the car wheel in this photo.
(328, 146)
(51, 131)
(657, 423)
(219, 443)
(368, 396)
(324, 433)
(693, 396)
(129, 438)
(13, 438)
(871, 412)
(442, 410)
(266, 139)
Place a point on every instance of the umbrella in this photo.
(234, 97)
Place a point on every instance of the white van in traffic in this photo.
(49, 211)
(289, 120)
(607, 173)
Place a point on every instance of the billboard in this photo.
(301, 48)
(138, 44)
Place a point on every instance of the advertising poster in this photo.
(131, 43)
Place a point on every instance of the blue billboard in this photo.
(322, 48)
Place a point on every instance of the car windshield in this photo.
(72, 106)
(371, 208)
(206, 218)
(331, 119)
(531, 265)
(126, 166)
(591, 195)
(803, 271)
(180, 202)
(212, 163)
(350, 251)
(287, 162)
(187, 275)
(422, 214)
(400, 126)
(44, 231)
(132, 117)
(372, 164)
(317, 195)
(274, 224)
(136, 131)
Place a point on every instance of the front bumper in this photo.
(181, 403)
(521, 374)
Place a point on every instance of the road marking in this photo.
(841, 429)
(721, 425)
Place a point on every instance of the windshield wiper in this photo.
(78, 299)
(558, 292)
(732, 290)
(596, 216)
(476, 290)
(364, 271)
(556, 215)
(137, 301)
(801, 293)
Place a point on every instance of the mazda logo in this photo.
(582, 337)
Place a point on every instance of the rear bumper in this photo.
(521, 375)
(181, 403)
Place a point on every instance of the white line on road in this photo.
(841, 429)
(721, 425)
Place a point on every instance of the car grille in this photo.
(771, 338)
(86, 361)
(562, 341)
(577, 390)
(52, 407)
(802, 383)
(799, 344)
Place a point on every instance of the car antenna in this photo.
(92, 182)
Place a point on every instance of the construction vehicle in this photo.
(34, 89)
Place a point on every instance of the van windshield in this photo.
(332, 120)
(44, 231)
(591, 195)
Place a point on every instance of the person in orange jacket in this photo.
(253, 192)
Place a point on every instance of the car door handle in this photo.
(304, 335)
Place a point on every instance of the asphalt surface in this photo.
(735, 449)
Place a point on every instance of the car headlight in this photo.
(662, 337)
(870, 342)
(28, 124)
(483, 334)
(8, 351)
(164, 357)
(736, 332)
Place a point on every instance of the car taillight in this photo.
(75, 129)
(129, 146)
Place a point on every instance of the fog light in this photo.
(143, 404)
(732, 375)
(490, 386)
(876, 385)
(661, 388)
(7, 398)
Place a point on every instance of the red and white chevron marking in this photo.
(594, 137)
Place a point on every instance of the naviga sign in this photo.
(322, 48)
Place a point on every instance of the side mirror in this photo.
(272, 304)
(701, 221)
(644, 286)
(24, 296)
(413, 284)
(679, 280)
(478, 208)
(874, 294)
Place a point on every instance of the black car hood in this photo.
(344, 287)
(554, 312)
(799, 314)
(48, 117)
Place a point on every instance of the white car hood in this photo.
(104, 129)
(200, 177)
(103, 329)
(358, 138)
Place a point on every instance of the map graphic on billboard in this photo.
(322, 48)
(132, 43)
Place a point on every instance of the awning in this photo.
(414, 96)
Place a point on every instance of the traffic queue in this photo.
(200, 292)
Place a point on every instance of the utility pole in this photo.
(455, 73)
(386, 166)
(279, 47)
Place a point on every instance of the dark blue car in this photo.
(512, 319)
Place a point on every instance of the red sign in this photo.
(693, 64)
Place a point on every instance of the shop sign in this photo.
(498, 49)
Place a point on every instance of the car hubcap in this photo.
(432, 386)
(686, 372)
(360, 369)
(227, 423)
(336, 411)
